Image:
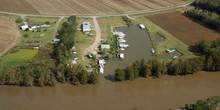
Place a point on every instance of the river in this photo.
(144, 94)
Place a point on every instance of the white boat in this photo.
(101, 70)
(121, 49)
(119, 34)
(123, 45)
(153, 51)
(122, 56)
(102, 62)
(175, 57)
(142, 26)
(121, 40)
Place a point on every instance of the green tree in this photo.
(19, 20)
(119, 74)
(93, 78)
(129, 73)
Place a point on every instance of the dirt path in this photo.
(98, 38)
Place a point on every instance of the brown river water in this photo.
(144, 94)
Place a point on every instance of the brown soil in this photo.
(184, 28)
(84, 7)
(18, 6)
(128, 6)
(9, 34)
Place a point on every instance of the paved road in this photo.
(97, 41)
(153, 11)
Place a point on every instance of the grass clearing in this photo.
(171, 41)
(106, 23)
(22, 54)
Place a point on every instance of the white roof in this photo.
(86, 26)
(105, 46)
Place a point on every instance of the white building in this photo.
(24, 27)
(86, 27)
(105, 46)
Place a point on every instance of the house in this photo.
(142, 26)
(86, 27)
(24, 27)
(105, 46)
(33, 26)
(37, 25)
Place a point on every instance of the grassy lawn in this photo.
(171, 41)
(22, 54)
(106, 23)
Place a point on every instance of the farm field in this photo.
(130, 6)
(18, 6)
(184, 28)
(9, 34)
(85, 7)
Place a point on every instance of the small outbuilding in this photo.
(24, 27)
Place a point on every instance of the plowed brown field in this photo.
(9, 34)
(184, 28)
(18, 6)
(129, 6)
(84, 7)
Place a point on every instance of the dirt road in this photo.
(98, 38)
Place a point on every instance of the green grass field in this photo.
(22, 54)
(171, 41)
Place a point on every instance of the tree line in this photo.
(76, 75)
(66, 35)
(209, 104)
(208, 60)
(210, 5)
(31, 75)
(210, 19)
